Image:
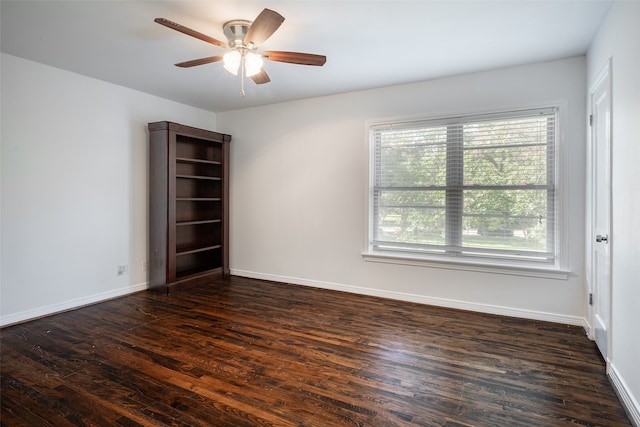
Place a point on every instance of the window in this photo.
(479, 188)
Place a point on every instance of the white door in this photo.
(601, 208)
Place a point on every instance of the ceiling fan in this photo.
(244, 37)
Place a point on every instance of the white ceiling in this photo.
(367, 43)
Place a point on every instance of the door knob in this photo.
(600, 238)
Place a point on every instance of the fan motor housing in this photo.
(235, 31)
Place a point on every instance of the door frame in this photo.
(605, 72)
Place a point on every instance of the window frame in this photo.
(556, 270)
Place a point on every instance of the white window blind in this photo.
(481, 186)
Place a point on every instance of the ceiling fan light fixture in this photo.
(232, 61)
(252, 63)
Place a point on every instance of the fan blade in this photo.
(261, 78)
(190, 32)
(200, 61)
(295, 58)
(263, 27)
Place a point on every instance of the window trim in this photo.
(558, 270)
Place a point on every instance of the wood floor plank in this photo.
(243, 352)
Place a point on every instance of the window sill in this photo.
(496, 268)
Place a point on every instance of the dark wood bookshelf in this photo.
(188, 205)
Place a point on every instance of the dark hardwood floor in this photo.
(242, 352)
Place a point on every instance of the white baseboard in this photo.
(48, 310)
(628, 401)
(421, 299)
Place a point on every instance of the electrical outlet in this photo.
(145, 265)
(122, 269)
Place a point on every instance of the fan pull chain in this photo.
(243, 72)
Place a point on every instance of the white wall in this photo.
(73, 186)
(619, 39)
(298, 191)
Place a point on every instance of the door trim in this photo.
(604, 73)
